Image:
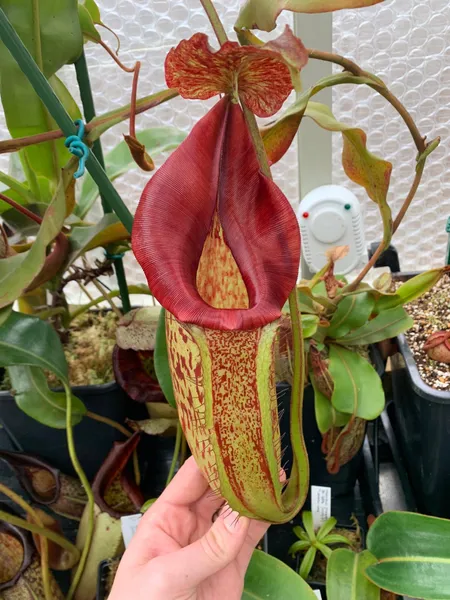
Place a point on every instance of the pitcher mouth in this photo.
(215, 172)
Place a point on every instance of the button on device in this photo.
(328, 224)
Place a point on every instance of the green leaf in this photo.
(269, 579)
(119, 160)
(352, 312)
(307, 562)
(411, 289)
(308, 524)
(103, 123)
(322, 406)
(94, 11)
(345, 576)
(83, 238)
(53, 41)
(262, 14)
(4, 207)
(357, 386)
(324, 550)
(26, 197)
(161, 360)
(5, 314)
(326, 415)
(33, 396)
(17, 272)
(279, 136)
(309, 325)
(360, 165)
(335, 538)
(431, 147)
(326, 528)
(413, 555)
(306, 301)
(26, 340)
(387, 324)
(300, 533)
(298, 546)
(87, 25)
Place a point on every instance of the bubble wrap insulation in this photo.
(407, 44)
(404, 42)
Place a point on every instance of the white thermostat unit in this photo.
(330, 216)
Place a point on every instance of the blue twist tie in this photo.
(78, 148)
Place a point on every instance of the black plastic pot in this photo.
(423, 427)
(93, 440)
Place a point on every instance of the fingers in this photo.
(220, 545)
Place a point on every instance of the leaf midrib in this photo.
(50, 365)
(420, 559)
(352, 338)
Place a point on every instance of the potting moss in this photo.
(431, 313)
(89, 349)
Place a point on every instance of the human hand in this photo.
(178, 553)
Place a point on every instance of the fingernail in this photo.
(232, 521)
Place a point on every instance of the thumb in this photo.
(219, 546)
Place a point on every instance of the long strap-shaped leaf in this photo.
(345, 576)
(413, 555)
(37, 79)
(269, 579)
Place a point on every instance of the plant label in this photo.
(129, 526)
(318, 593)
(320, 504)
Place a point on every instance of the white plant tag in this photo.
(318, 593)
(320, 504)
(129, 526)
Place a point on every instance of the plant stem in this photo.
(115, 58)
(21, 209)
(42, 531)
(398, 219)
(44, 544)
(90, 505)
(137, 70)
(379, 87)
(409, 198)
(87, 99)
(110, 422)
(132, 289)
(95, 127)
(107, 298)
(257, 140)
(215, 21)
(84, 289)
(176, 452)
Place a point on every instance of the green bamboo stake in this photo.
(51, 101)
(87, 100)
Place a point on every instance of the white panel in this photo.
(407, 43)
(315, 147)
